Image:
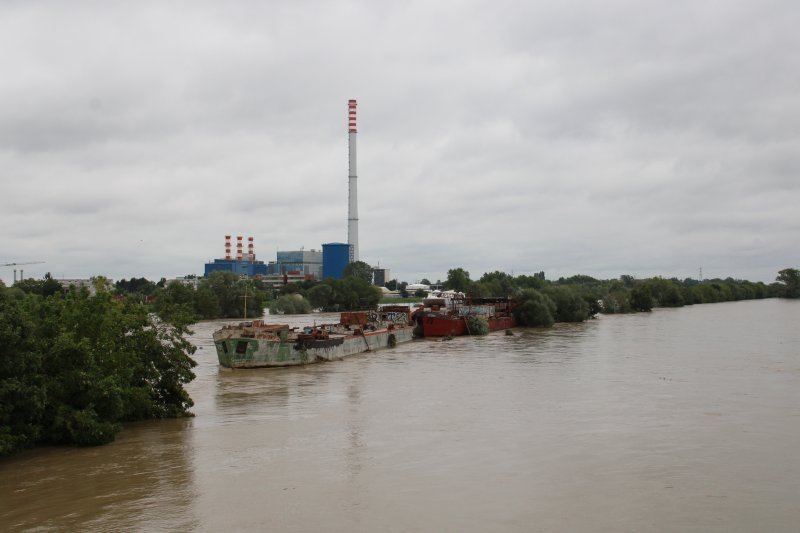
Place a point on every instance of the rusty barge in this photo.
(255, 344)
(447, 314)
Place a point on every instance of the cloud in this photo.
(573, 137)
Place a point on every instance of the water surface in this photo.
(681, 419)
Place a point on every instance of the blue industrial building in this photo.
(335, 256)
(243, 267)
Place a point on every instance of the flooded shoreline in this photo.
(677, 419)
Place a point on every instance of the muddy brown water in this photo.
(677, 420)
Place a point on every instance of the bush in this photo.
(570, 306)
(290, 304)
(641, 299)
(534, 309)
(74, 367)
(477, 325)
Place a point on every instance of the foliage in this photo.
(616, 300)
(477, 325)
(641, 298)
(458, 280)
(570, 306)
(320, 295)
(45, 287)
(359, 270)
(290, 304)
(579, 297)
(175, 303)
(497, 284)
(401, 288)
(790, 278)
(220, 295)
(135, 286)
(74, 367)
(347, 294)
(534, 309)
(233, 294)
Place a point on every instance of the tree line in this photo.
(541, 302)
(225, 295)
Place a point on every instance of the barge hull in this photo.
(443, 326)
(244, 352)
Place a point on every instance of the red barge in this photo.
(447, 314)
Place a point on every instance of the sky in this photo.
(570, 137)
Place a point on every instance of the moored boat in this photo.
(255, 344)
(448, 314)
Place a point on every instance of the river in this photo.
(676, 420)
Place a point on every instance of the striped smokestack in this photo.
(352, 215)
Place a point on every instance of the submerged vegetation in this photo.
(73, 367)
(541, 302)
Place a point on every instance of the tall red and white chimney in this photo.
(352, 215)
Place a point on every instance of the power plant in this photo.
(244, 263)
(301, 264)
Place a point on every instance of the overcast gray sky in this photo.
(574, 137)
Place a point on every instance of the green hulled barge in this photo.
(256, 344)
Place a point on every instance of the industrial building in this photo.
(244, 263)
(305, 262)
(335, 256)
(380, 276)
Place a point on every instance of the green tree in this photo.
(355, 294)
(641, 299)
(232, 293)
(359, 270)
(497, 284)
(175, 303)
(458, 280)
(321, 295)
(45, 287)
(290, 304)
(790, 278)
(135, 286)
(75, 367)
(401, 288)
(206, 305)
(570, 306)
(534, 309)
(617, 300)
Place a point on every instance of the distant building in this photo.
(192, 281)
(79, 284)
(243, 263)
(277, 280)
(414, 287)
(336, 256)
(380, 276)
(306, 262)
(243, 267)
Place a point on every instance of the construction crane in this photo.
(20, 270)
